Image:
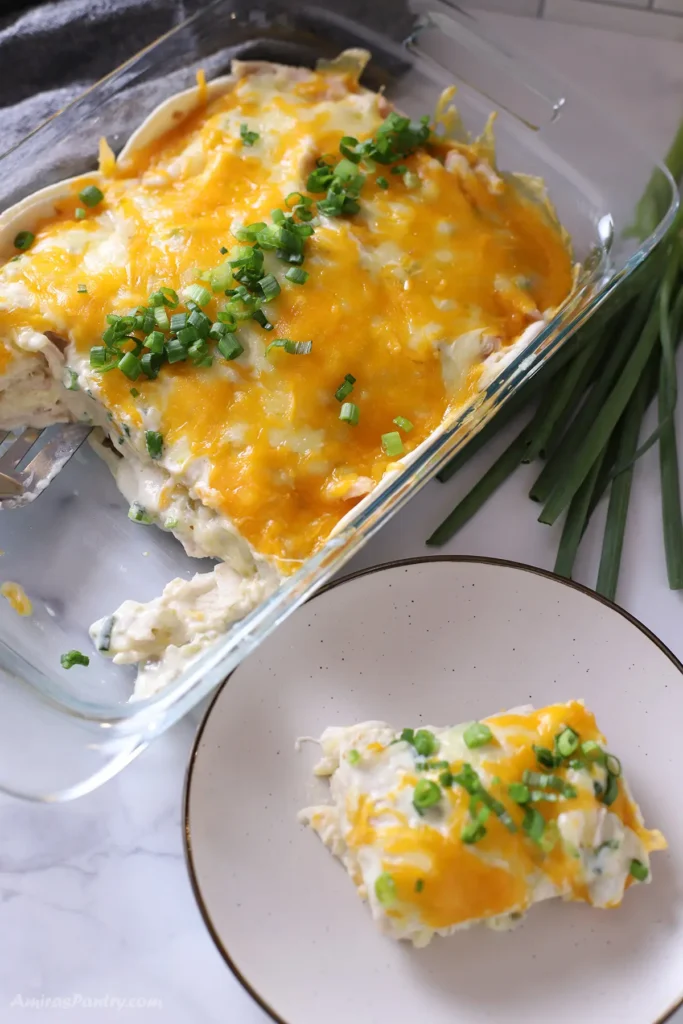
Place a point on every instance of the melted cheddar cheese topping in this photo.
(391, 291)
(440, 881)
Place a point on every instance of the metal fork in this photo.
(21, 481)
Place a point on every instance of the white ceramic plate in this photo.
(437, 641)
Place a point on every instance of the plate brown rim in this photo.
(394, 564)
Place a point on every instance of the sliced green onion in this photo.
(403, 423)
(554, 782)
(419, 884)
(349, 413)
(24, 240)
(175, 350)
(200, 321)
(138, 513)
(426, 794)
(248, 137)
(319, 179)
(352, 756)
(80, 213)
(382, 182)
(345, 388)
(473, 832)
(134, 393)
(546, 758)
(129, 365)
(155, 342)
(636, 868)
(260, 317)
(399, 169)
(156, 299)
(477, 735)
(425, 742)
(294, 348)
(82, 289)
(229, 347)
(155, 443)
(197, 293)
(408, 735)
(72, 658)
(446, 779)
(385, 889)
(161, 318)
(518, 792)
(593, 751)
(296, 275)
(70, 379)
(170, 297)
(98, 356)
(613, 765)
(533, 824)
(178, 321)
(392, 443)
(151, 364)
(347, 147)
(611, 790)
(270, 287)
(91, 195)
(188, 335)
(566, 742)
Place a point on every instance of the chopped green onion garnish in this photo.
(138, 513)
(349, 413)
(477, 735)
(161, 318)
(80, 213)
(446, 779)
(294, 348)
(566, 742)
(151, 364)
(546, 758)
(392, 443)
(155, 443)
(247, 137)
(555, 782)
(352, 756)
(129, 364)
(637, 869)
(345, 388)
(426, 794)
(408, 735)
(175, 350)
(533, 824)
(197, 293)
(592, 750)
(296, 275)
(229, 347)
(178, 321)
(70, 379)
(403, 423)
(518, 792)
(260, 317)
(425, 742)
(611, 790)
(155, 342)
(98, 356)
(382, 182)
(82, 289)
(91, 195)
(170, 297)
(134, 393)
(473, 832)
(399, 169)
(72, 658)
(270, 287)
(188, 335)
(385, 889)
(613, 765)
(24, 240)
(419, 884)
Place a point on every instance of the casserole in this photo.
(441, 829)
(70, 551)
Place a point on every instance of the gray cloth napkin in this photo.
(51, 52)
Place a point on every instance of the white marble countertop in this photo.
(95, 902)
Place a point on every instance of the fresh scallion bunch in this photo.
(595, 392)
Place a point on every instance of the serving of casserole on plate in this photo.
(275, 295)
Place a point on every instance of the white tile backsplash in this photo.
(663, 18)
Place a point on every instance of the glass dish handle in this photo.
(453, 40)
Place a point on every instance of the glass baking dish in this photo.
(74, 550)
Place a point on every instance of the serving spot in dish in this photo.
(268, 304)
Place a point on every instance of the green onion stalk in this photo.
(586, 408)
